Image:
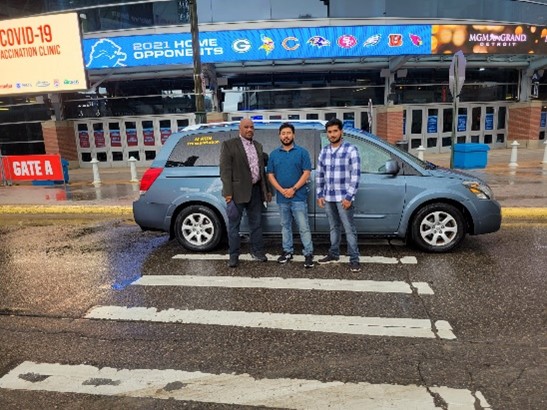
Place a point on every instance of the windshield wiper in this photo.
(430, 165)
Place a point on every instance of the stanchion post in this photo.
(421, 151)
(514, 154)
(133, 167)
(96, 176)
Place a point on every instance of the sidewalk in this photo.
(521, 190)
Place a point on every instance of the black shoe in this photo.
(328, 259)
(308, 261)
(355, 267)
(259, 256)
(234, 261)
(285, 257)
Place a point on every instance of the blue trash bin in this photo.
(65, 164)
(472, 155)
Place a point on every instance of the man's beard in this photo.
(287, 144)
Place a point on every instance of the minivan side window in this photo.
(306, 138)
(200, 150)
(373, 157)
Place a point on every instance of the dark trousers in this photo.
(253, 208)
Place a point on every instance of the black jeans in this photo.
(254, 214)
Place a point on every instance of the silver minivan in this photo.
(399, 196)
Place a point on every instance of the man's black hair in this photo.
(286, 125)
(334, 121)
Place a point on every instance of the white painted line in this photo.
(409, 260)
(354, 325)
(282, 283)
(231, 389)
(296, 258)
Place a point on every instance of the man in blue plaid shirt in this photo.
(338, 172)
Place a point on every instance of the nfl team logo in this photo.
(346, 41)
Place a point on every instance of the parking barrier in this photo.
(421, 151)
(133, 168)
(96, 176)
(514, 154)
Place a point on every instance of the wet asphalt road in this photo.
(55, 269)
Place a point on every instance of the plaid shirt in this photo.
(338, 172)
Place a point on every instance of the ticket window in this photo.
(132, 140)
(99, 136)
(115, 141)
(416, 128)
(462, 126)
(165, 130)
(181, 123)
(84, 143)
(149, 140)
(502, 117)
(446, 140)
(432, 128)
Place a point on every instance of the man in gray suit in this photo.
(244, 185)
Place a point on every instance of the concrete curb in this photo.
(126, 210)
(67, 209)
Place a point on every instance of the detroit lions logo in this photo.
(105, 54)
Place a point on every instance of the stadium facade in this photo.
(382, 66)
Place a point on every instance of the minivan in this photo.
(399, 196)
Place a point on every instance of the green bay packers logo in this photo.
(290, 43)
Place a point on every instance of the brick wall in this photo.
(389, 123)
(524, 121)
(59, 138)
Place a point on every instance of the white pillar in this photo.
(421, 151)
(96, 176)
(513, 160)
(545, 153)
(133, 167)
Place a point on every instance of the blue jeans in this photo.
(254, 214)
(299, 211)
(338, 217)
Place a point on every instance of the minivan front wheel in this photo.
(198, 228)
(438, 227)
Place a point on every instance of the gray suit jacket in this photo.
(235, 173)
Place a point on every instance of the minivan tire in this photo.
(198, 228)
(438, 227)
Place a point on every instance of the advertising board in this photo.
(41, 55)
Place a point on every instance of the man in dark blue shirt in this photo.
(289, 169)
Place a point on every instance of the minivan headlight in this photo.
(481, 190)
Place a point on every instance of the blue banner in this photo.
(489, 122)
(462, 122)
(432, 124)
(258, 44)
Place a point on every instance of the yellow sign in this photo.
(41, 55)
(203, 140)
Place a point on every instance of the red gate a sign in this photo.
(33, 168)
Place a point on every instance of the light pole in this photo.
(201, 116)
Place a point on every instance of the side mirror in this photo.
(392, 167)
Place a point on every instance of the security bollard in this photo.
(545, 154)
(133, 167)
(421, 151)
(513, 160)
(96, 176)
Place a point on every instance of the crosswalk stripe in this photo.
(406, 260)
(285, 283)
(354, 325)
(233, 389)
